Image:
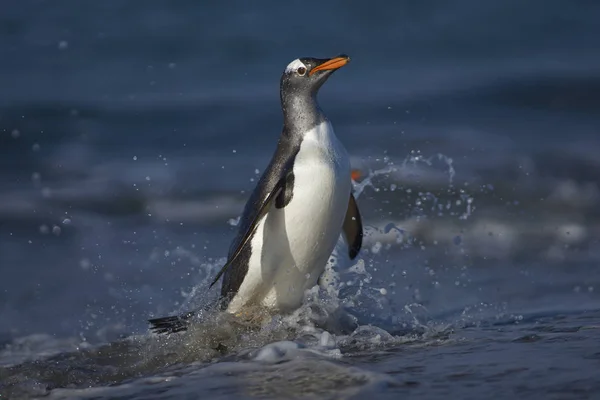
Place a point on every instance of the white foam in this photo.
(275, 352)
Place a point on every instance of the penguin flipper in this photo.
(352, 228)
(262, 211)
(179, 323)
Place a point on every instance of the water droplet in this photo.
(234, 221)
(376, 247)
(63, 45)
(85, 264)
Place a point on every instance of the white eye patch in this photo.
(294, 65)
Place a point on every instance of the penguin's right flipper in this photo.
(179, 323)
(262, 211)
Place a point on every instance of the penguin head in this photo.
(304, 76)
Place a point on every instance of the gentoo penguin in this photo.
(300, 206)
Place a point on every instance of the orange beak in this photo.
(355, 175)
(334, 63)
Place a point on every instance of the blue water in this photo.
(131, 135)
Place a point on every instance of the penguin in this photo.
(299, 208)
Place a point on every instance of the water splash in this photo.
(406, 168)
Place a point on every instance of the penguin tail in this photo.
(171, 324)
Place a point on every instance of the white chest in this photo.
(321, 188)
(292, 245)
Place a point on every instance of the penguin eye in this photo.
(301, 71)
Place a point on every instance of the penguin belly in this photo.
(291, 246)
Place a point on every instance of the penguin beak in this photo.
(331, 64)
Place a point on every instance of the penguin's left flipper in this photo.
(262, 211)
(352, 228)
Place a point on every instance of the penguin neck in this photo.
(301, 113)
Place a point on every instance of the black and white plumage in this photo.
(299, 208)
